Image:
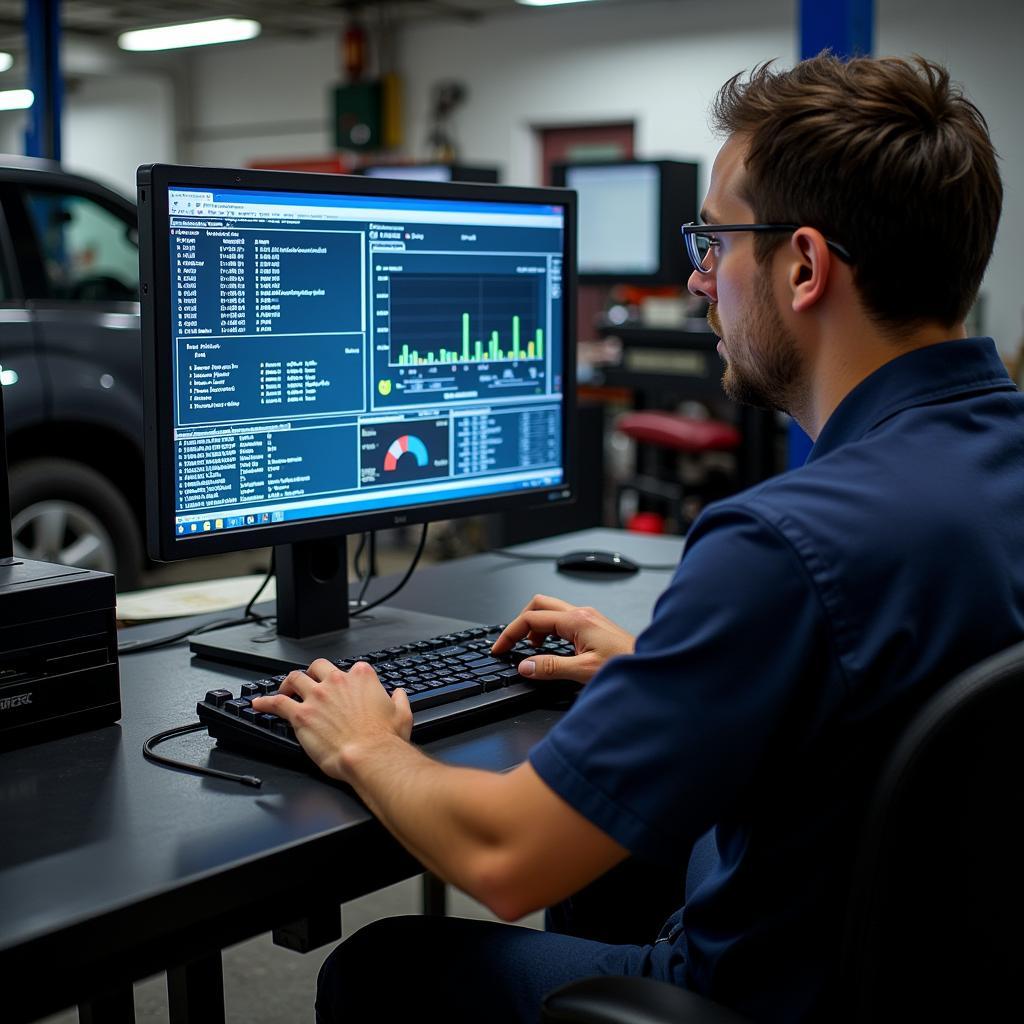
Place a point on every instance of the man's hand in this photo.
(595, 637)
(338, 710)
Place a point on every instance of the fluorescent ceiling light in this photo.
(16, 99)
(6, 60)
(196, 33)
(550, 3)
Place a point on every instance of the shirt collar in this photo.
(916, 378)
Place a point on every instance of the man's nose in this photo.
(703, 286)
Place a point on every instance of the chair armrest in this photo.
(616, 1000)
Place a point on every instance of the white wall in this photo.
(114, 123)
(657, 62)
(261, 99)
(981, 43)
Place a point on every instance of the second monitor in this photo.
(630, 212)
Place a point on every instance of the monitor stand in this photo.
(313, 617)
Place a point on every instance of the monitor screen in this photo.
(619, 217)
(337, 354)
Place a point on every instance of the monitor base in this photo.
(258, 646)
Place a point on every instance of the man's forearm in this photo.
(450, 819)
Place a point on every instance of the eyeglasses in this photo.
(700, 239)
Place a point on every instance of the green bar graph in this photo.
(480, 351)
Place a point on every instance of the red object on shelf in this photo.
(646, 522)
(354, 49)
(682, 433)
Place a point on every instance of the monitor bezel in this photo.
(154, 251)
(677, 205)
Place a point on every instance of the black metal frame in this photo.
(695, 230)
(677, 203)
(154, 255)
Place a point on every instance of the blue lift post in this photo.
(42, 29)
(846, 27)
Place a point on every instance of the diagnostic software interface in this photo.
(336, 354)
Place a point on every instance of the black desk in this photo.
(112, 869)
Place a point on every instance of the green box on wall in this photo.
(358, 116)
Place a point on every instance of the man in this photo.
(850, 216)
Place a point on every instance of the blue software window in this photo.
(334, 354)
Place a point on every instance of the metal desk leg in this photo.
(195, 992)
(435, 896)
(115, 1006)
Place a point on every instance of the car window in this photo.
(90, 253)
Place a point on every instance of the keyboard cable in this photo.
(248, 615)
(182, 730)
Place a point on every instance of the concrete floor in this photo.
(265, 984)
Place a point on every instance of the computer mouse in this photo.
(603, 562)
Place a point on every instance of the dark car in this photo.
(71, 368)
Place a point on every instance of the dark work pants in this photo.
(468, 971)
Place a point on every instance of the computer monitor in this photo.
(326, 355)
(432, 172)
(630, 213)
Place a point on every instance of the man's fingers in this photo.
(321, 669)
(536, 625)
(297, 682)
(543, 603)
(578, 668)
(277, 704)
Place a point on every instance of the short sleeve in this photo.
(663, 743)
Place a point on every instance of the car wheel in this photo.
(66, 512)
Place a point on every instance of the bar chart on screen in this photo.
(448, 319)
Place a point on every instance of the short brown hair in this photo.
(884, 156)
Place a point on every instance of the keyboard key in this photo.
(433, 698)
(249, 715)
(490, 683)
(234, 707)
(218, 697)
(268, 686)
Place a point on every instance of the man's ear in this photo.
(809, 265)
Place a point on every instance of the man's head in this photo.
(882, 156)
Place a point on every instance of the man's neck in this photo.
(848, 357)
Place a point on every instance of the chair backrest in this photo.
(936, 926)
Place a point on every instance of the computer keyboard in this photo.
(453, 682)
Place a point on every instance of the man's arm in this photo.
(506, 839)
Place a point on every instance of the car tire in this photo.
(67, 512)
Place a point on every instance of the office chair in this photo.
(935, 927)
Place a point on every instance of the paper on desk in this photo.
(191, 598)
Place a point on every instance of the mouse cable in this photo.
(554, 558)
(169, 762)
(135, 646)
(401, 583)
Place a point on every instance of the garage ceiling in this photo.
(105, 19)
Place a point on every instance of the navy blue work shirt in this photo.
(808, 618)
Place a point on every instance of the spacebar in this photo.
(444, 695)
